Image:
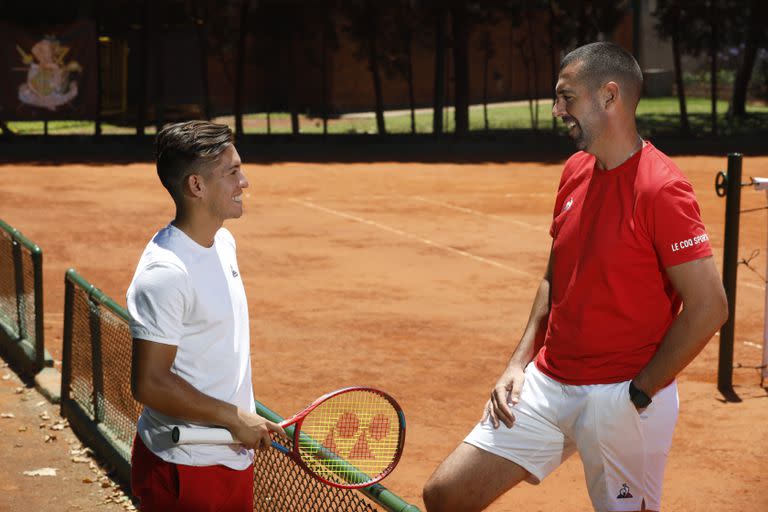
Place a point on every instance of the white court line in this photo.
(750, 344)
(476, 212)
(384, 227)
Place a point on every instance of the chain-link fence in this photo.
(21, 302)
(96, 398)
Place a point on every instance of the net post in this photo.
(764, 369)
(94, 320)
(66, 360)
(730, 267)
(21, 304)
(37, 263)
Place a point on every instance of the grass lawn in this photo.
(654, 116)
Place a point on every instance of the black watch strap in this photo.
(638, 396)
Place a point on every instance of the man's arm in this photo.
(510, 384)
(705, 309)
(154, 385)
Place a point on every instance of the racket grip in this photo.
(184, 435)
(280, 447)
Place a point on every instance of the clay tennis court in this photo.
(415, 278)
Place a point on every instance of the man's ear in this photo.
(194, 185)
(610, 95)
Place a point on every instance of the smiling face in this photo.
(578, 107)
(224, 183)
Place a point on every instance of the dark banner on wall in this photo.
(48, 74)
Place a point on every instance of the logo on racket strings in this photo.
(352, 440)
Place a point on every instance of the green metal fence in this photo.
(96, 398)
(21, 302)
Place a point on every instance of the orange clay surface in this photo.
(417, 279)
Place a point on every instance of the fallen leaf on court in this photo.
(59, 425)
(41, 472)
(105, 485)
(40, 403)
(79, 459)
(45, 416)
(42, 425)
(18, 391)
(7, 415)
(17, 445)
(49, 438)
(7, 376)
(87, 480)
(22, 429)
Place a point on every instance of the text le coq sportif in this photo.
(689, 242)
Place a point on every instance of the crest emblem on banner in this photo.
(49, 83)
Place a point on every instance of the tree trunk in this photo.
(552, 55)
(202, 39)
(240, 75)
(744, 74)
(159, 102)
(461, 69)
(581, 37)
(373, 66)
(438, 99)
(411, 96)
(98, 6)
(535, 78)
(324, 76)
(141, 101)
(685, 128)
(714, 44)
(486, 60)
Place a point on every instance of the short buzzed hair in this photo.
(181, 149)
(603, 62)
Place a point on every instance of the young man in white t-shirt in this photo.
(189, 320)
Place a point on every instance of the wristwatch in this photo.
(638, 396)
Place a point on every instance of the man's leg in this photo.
(624, 451)
(470, 479)
(154, 482)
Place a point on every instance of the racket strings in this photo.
(354, 436)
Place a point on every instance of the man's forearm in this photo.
(173, 396)
(687, 336)
(536, 326)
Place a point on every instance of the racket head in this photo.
(350, 438)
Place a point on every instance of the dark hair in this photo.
(602, 62)
(180, 148)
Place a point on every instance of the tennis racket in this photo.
(349, 438)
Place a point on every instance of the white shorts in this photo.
(624, 452)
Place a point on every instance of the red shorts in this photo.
(164, 487)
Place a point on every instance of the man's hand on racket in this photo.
(506, 391)
(252, 430)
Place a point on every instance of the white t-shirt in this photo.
(191, 296)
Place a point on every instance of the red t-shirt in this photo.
(614, 232)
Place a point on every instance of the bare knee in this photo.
(438, 495)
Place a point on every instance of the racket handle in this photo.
(186, 435)
(281, 447)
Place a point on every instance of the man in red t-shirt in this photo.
(595, 369)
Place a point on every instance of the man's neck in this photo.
(619, 149)
(197, 227)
